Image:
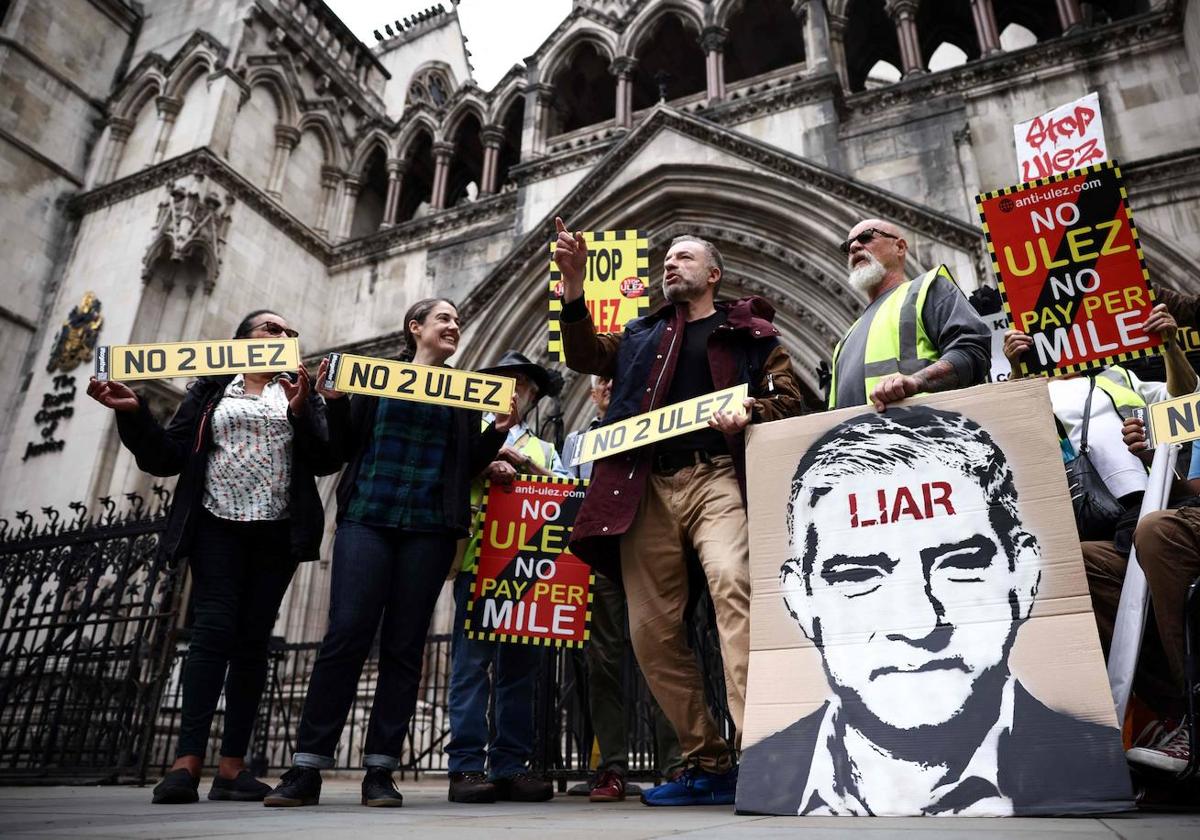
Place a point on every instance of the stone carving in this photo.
(192, 222)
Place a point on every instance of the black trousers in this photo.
(240, 572)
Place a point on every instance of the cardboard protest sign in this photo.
(662, 423)
(1069, 137)
(1001, 368)
(921, 636)
(132, 362)
(614, 285)
(1175, 421)
(1070, 269)
(528, 587)
(419, 383)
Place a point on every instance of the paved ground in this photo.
(126, 812)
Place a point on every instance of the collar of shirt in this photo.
(237, 386)
(843, 759)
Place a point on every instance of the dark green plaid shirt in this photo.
(400, 480)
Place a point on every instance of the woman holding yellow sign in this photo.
(246, 512)
(403, 503)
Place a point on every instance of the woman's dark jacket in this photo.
(182, 449)
(469, 450)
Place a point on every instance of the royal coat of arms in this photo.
(77, 338)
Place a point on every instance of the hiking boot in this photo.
(178, 787)
(298, 786)
(695, 787)
(471, 787)
(1171, 753)
(523, 787)
(379, 789)
(610, 787)
(242, 788)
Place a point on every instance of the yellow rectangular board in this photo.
(419, 383)
(660, 424)
(1175, 421)
(615, 283)
(131, 362)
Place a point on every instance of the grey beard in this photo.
(867, 277)
(681, 292)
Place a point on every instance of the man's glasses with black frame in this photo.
(863, 238)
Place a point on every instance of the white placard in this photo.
(1069, 137)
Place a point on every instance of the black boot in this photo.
(178, 787)
(242, 788)
(523, 787)
(298, 786)
(379, 789)
(471, 787)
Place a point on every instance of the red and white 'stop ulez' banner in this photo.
(1069, 137)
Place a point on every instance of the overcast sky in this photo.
(500, 33)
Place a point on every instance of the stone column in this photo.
(984, 16)
(330, 177)
(286, 139)
(395, 170)
(816, 36)
(1070, 15)
(168, 110)
(349, 199)
(119, 129)
(443, 152)
(492, 137)
(837, 48)
(623, 67)
(713, 40)
(904, 14)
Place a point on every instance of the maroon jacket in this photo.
(641, 362)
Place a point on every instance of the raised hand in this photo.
(297, 392)
(570, 255)
(504, 422)
(114, 395)
(322, 372)
(1161, 322)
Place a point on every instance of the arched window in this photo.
(139, 148)
(945, 56)
(431, 86)
(252, 146)
(764, 35)
(302, 189)
(1016, 37)
(372, 195)
(585, 92)
(465, 178)
(510, 149)
(870, 39)
(947, 27)
(669, 55)
(416, 193)
(1038, 18)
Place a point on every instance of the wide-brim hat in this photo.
(513, 362)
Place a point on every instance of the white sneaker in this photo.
(1170, 754)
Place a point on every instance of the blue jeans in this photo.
(377, 573)
(514, 666)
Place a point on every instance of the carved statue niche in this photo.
(192, 222)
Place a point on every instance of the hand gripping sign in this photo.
(130, 362)
(528, 587)
(662, 423)
(1070, 269)
(419, 383)
(614, 282)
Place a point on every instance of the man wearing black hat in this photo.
(485, 767)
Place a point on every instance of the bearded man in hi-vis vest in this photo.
(914, 337)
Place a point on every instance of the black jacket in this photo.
(1050, 763)
(182, 449)
(470, 449)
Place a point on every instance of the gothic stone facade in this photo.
(186, 162)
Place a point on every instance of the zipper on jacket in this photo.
(654, 393)
(200, 429)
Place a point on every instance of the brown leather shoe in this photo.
(610, 787)
(471, 787)
(523, 787)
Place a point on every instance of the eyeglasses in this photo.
(863, 238)
(272, 328)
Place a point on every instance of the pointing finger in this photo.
(558, 223)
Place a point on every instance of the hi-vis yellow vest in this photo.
(896, 338)
(540, 453)
(1114, 380)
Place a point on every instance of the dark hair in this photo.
(244, 327)
(418, 312)
(714, 256)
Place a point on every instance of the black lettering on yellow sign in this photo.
(419, 383)
(133, 362)
(1175, 421)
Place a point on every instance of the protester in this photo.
(403, 502)
(605, 651)
(914, 337)
(245, 513)
(647, 509)
(508, 746)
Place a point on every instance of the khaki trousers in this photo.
(1168, 549)
(700, 508)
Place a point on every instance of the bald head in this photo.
(876, 264)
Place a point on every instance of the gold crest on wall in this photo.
(77, 338)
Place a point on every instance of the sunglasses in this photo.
(863, 238)
(272, 328)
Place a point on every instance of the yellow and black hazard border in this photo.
(641, 267)
(510, 638)
(1094, 169)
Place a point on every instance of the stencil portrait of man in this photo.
(910, 570)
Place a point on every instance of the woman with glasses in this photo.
(246, 511)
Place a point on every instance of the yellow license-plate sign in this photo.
(1175, 421)
(419, 383)
(131, 362)
(662, 423)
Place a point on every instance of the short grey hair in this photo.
(714, 256)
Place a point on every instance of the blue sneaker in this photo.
(695, 787)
